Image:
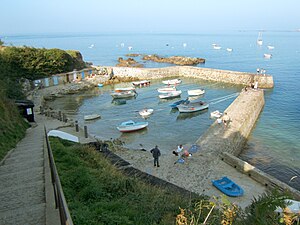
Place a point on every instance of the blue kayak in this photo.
(228, 187)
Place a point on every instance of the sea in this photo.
(273, 145)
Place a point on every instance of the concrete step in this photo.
(21, 177)
(22, 196)
(18, 158)
(26, 151)
(18, 167)
(29, 215)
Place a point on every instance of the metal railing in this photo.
(60, 201)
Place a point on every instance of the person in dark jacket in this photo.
(155, 153)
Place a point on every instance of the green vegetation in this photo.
(12, 125)
(98, 193)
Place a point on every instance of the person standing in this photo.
(226, 119)
(155, 153)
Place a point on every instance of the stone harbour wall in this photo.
(225, 76)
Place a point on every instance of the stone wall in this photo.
(226, 76)
(243, 112)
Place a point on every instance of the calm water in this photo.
(273, 145)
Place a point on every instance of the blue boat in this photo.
(175, 104)
(228, 187)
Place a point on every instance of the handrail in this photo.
(60, 201)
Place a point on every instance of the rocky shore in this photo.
(177, 60)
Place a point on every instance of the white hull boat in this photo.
(259, 40)
(166, 89)
(92, 117)
(63, 135)
(172, 82)
(216, 114)
(146, 112)
(141, 83)
(196, 92)
(268, 56)
(192, 107)
(217, 47)
(130, 126)
(270, 47)
(124, 89)
(172, 94)
(229, 49)
(123, 94)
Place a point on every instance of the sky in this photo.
(146, 16)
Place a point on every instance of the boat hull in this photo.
(172, 82)
(228, 187)
(195, 92)
(92, 117)
(193, 107)
(172, 94)
(131, 126)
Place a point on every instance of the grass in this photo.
(12, 126)
(98, 193)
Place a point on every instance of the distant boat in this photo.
(130, 48)
(92, 117)
(270, 47)
(192, 107)
(100, 85)
(228, 187)
(172, 94)
(229, 49)
(267, 56)
(184, 45)
(130, 126)
(172, 82)
(196, 92)
(123, 94)
(91, 46)
(146, 112)
(217, 47)
(259, 40)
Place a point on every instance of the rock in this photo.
(130, 62)
(178, 60)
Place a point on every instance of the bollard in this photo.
(76, 126)
(64, 118)
(85, 132)
(59, 116)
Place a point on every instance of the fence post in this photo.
(76, 126)
(85, 132)
(64, 118)
(59, 116)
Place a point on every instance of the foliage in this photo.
(12, 125)
(98, 193)
(1, 42)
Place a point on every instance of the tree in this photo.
(1, 42)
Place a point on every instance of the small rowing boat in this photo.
(192, 107)
(146, 112)
(228, 187)
(172, 82)
(123, 94)
(130, 125)
(172, 94)
(216, 114)
(92, 117)
(196, 92)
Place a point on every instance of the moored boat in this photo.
(196, 92)
(267, 56)
(229, 49)
(216, 114)
(166, 89)
(172, 94)
(146, 112)
(123, 94)
(175, 104)
(130, 125)
(172, 82)
(192, 107)
(92, 117)
(217, 47)
(141, 83)
(228, 187)
(124, 89)
(270, 47)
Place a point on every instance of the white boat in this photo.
(270, 47)
(172, 94)
(124, 89)
(141, 83)
(217, 47)
(192, 107)
(130, 126)
(229, 49)
(196, 92)
(216, 114)
(123, 94)
(292, 207)
(259, 40)
(91, 46)
(172, 82)
(267, 56)
(146, 112)
(91, 117)
(166, 89)
(63, 135)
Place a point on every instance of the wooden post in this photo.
(76, 126)
(59, 115)
(85, 132)
(64, 118)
